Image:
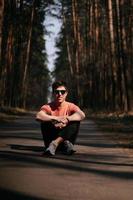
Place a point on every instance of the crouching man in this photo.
(60, 121)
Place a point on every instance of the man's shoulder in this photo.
(71, 104)
(47, 105)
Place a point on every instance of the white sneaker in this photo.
(51, 149)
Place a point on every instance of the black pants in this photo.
(50, 133)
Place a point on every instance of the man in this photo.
(60, 121)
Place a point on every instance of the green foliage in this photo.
(95, 53)
(17, 23)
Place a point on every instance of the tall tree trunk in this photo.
(68, 46)
(9, 65)
(25, 74)
(1, 24)
(1, 67)
(121, 58)
(90, 55)
(7, 56)
(74, 5)
(113, 59)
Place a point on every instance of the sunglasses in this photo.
(60, 92)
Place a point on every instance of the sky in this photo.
(53, 25)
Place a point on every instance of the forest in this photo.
(94, 53)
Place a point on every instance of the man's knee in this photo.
(74, 125)
(46, 126)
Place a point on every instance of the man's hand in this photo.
(64, 120)
(59, 125)
(60, 122)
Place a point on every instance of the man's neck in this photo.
(58, 104)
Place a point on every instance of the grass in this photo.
(119, 126)
(10, 114)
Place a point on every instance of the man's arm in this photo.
(60, 121)
(77, 116)
(43, 116)
(57, 121)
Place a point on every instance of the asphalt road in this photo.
(99, 170)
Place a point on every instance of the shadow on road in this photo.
(13, 195)
(27, 147)
(79, 162)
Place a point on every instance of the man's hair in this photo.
(57, 84)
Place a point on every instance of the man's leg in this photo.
(48, 132)
(54, 138)
(69, 135)
(50, 137)
(70, 132)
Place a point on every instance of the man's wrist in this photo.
(68, 119)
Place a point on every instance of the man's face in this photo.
(60, 94)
